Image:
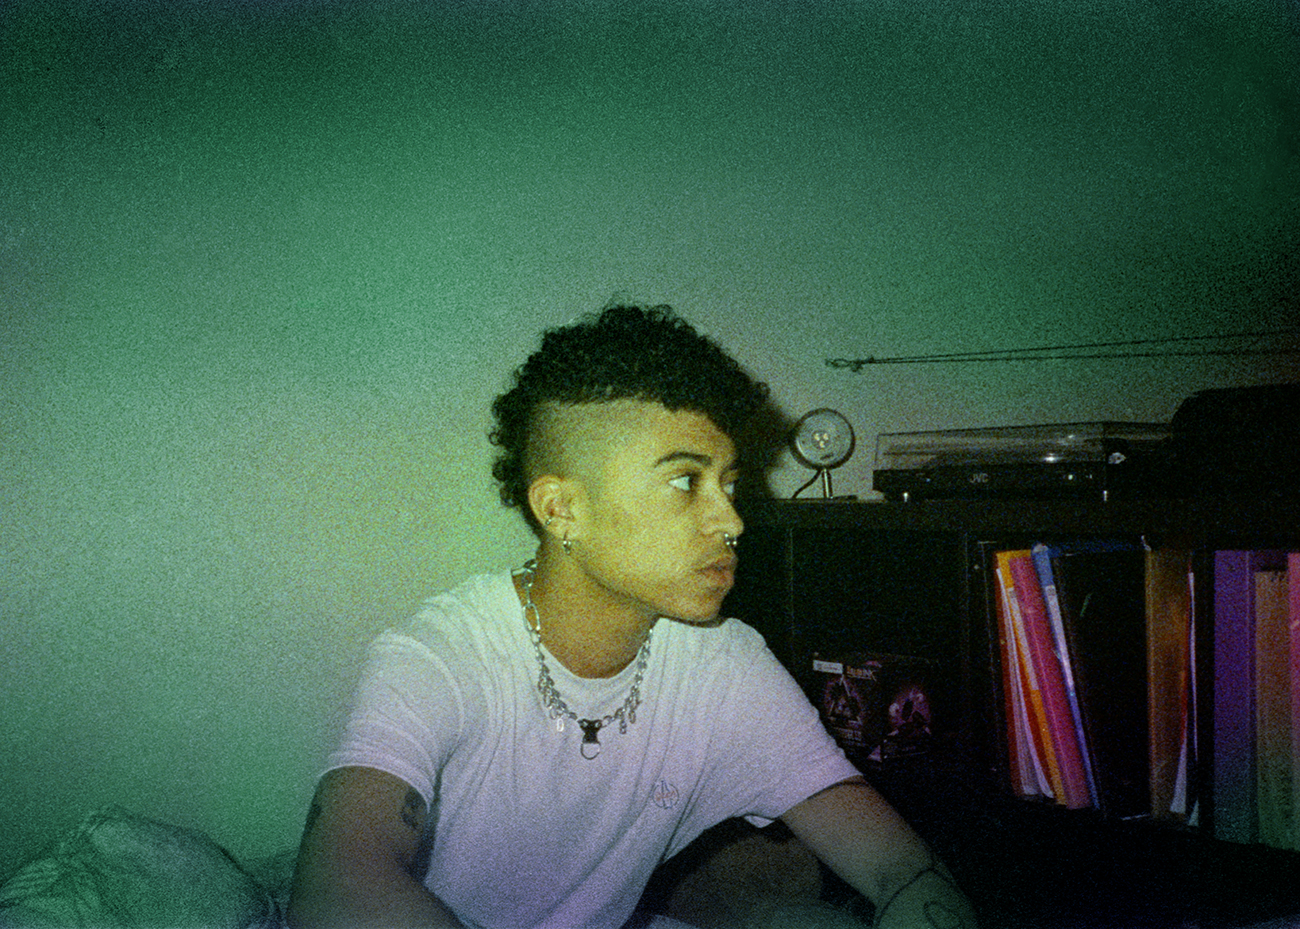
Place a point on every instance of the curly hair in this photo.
(624, 353)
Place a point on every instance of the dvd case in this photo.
(878, 707)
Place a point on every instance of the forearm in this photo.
(929, 899)
(864, 840)
(357, 899)
(908, 886)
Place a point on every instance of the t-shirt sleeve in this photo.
(407, 714)
(774, 738)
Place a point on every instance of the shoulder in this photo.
(449, 658)
(723, 634)
(475, 618)
(723, 645)
(474, 606)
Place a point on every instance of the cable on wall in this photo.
(1130, 348)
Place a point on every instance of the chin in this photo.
(702, 614)
(701, 622)
(690, 602)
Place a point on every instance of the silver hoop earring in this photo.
(568, 545)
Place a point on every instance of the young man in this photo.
(531, 745)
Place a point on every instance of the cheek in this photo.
(644, 553)
(643, 518)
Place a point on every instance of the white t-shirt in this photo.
(526, 831)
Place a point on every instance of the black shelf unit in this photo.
(909, 578)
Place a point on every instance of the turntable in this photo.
(1099, 460)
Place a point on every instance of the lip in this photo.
(723, 570)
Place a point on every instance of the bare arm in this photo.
(863, 839)
(358, 856)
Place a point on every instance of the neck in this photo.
(588, 634)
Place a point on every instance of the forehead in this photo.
(636, 432)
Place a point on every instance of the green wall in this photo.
(264, 265)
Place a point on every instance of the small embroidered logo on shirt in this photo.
(665, 795)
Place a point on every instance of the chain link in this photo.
(556, 708)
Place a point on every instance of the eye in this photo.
(683, 482)
(729, 489)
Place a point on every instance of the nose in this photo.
(726, 520)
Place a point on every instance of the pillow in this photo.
(117, 869)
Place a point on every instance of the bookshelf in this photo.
(825, 577)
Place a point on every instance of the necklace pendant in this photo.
(590, 747)
(553, 704)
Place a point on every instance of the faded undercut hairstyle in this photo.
(624, 353)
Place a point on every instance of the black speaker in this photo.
(1239, 442)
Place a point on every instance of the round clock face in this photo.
(822, 439)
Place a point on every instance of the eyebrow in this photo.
(703, 461)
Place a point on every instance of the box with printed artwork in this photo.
(878, 707)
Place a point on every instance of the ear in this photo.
(551, 500)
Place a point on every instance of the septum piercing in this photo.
(730, 540)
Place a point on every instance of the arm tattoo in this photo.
(937, 913)
(413, 810)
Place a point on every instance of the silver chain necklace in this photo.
(556, 709)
